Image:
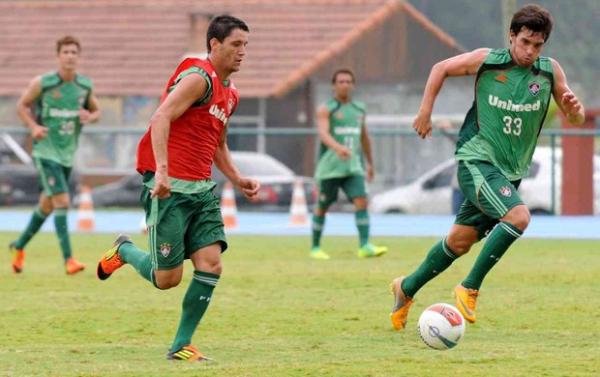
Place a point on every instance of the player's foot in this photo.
(72, 266)
(401, 304)
(318, 253)
(466, 301)
(18, 258)
(111, 260)
(369, 250)
(187, 353)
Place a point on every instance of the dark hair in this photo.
(534, 18)
(340, 71)
(67, 40)
(221, 26)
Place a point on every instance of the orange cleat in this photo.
(73, 267)
(466, 301)
(18, 259)
(187, 353)
(402, 304)
(111, 260)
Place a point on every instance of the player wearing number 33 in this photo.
(513, 88)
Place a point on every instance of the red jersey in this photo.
(195, 135)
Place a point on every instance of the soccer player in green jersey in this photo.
(513, 88)
(344, 159)
(54, 107)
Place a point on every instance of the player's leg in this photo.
(162, 265)
(39, 216)
(207, 271)
(355, 189)
(205, 239)
(328, 191)
(58, 180)
(440, 257)
(498, 199)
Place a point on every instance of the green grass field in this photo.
(278, 313)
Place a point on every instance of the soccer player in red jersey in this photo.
(187, 134)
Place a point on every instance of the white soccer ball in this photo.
(441, 326)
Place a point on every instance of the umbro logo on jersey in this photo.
(218, 113)
(501, 77)
(534, 88)
(56, 94)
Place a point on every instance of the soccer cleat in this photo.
(72, 266)
(18, 259)
(402, 304)
(187, 353)
(369, 250)
(317, 253)
(466, 301)
(111, 260)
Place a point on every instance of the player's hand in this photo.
(422, 124)
(370, 173)
(84, 116)
(249, 187)
(162, 186)
(570, 103)
(343, 153)
(39, 132)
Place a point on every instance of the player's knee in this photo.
(459, 246)
(213, 267)
(168, 280)
(519, 217)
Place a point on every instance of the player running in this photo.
(54, 107)
(344, 143)
(513, 88)
(187, 134)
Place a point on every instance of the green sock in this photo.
(35, 223)
(318, 222)
(194, 305)
(439, 258)
(362, 224)
(498, 241)
(62, 231)
(139, 259)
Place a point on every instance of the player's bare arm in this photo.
(460, 65)
(92, 113)
(323, 128)
(566, 100)
(248, 186)
(33, 91)
(365, 141)
(189, 90)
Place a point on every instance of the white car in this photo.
(431, 193)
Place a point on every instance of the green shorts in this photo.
(489, 195)
(180, 225)
(353, 186)
(54, 177)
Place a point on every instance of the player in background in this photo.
(513, 88)
(54, 107)
(344, 160)
(187, 134)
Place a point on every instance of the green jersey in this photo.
(510, 105)
(345, 126)
(57, 108)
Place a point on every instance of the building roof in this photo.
(131, 47)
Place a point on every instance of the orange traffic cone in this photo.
(228, 207)
(298, 209)
(85, 213)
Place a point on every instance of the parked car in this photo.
(277, 184)
(431, 193)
